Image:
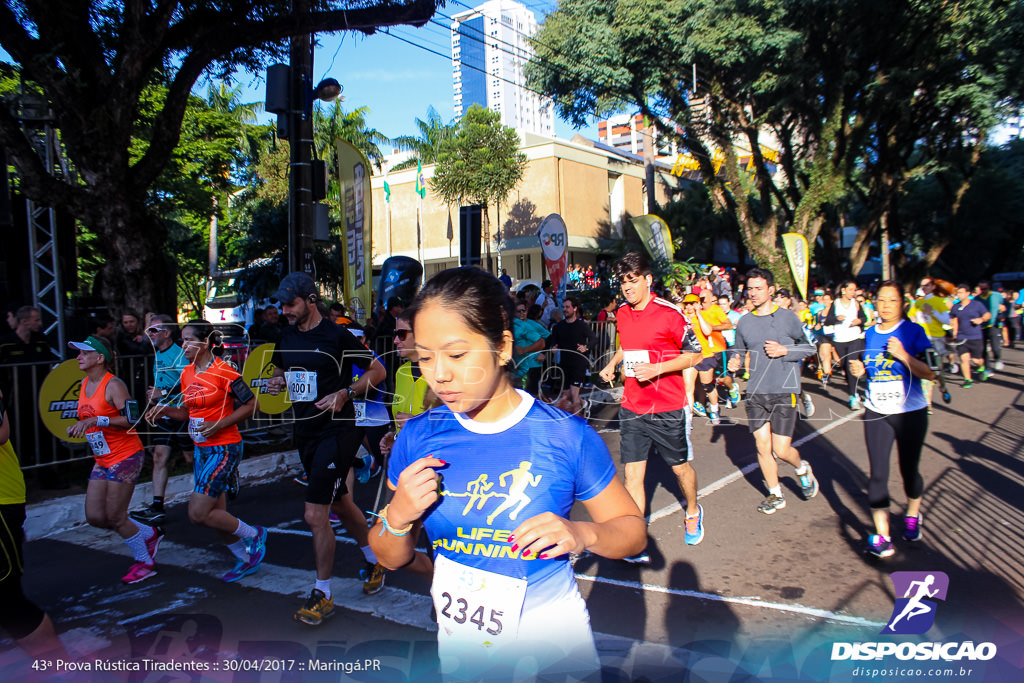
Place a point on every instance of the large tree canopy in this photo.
(785, 105)
(94, 61)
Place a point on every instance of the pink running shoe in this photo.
(153, 544)
(140, 571)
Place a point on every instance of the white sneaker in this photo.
(999, 365)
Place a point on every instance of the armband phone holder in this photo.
(131, 411)
(241, 391)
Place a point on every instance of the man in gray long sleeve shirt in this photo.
(775, 340)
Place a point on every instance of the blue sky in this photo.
(395, 80)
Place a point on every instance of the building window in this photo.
(523, 270)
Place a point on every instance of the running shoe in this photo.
(998, 365)
(771, 504)
(734, 395)
(954, 369)
(808, 482)
(912, 527)
(698, 409)
(640, 558)
(715, 420)
(854, 403)
(808, 405)
(257, 548)
(153, 543)
(745, 375)
(302, 479)
(140, 571)
(150, 515)
(373, 578)
(317, 608)
(333, 518)
(241, 568)
(695, 527)
(880, 546)
(930, 411)
(824, 380)
(365, 471)
(984, 374)
(968, 384)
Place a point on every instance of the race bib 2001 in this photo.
(301, 385)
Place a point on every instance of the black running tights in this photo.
(908, 431)
(848, 351)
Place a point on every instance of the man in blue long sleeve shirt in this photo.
(775, 340)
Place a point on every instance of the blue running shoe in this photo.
(699, 409)
(639, 558)
(257, 548)
(239, 570)
(695, 527)
(880, 546)
(366, 471)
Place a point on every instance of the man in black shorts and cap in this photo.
(314, 359)
(775, 339)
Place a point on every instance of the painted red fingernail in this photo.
(542, 556)
(443, 462)
(511, 538)
(515, 548)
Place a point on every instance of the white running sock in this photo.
(239, 550)
(244, 530)
(324, 585)
(802, 470)
(137, 544)
(147, 531)
(368, 554)
(776, 490)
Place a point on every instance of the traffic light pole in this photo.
(300, 132)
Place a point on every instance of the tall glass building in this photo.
(489, 50)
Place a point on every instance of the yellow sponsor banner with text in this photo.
(58, 400)
(799, 259)
(258, 368)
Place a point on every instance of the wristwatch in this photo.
(351, 392)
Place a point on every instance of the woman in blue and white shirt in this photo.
(896, 411)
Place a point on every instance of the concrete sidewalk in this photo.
(53, 516)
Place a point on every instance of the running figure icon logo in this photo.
(913, 612)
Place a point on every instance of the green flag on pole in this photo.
(421, 182)
(387, 192)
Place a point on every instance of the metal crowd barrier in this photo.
(37, 447)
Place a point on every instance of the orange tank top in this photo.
(109, 445)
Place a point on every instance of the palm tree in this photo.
(432, 133)
(351, 126)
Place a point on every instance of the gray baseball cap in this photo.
(293, 286)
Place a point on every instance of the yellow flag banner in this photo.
(799, 259)
(354, 178)
(655, 235)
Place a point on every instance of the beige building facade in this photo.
(593, 187)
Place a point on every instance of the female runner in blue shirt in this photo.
(492, 476)
(896, 411)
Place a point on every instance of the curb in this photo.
(60, 514)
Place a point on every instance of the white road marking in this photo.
(750, 602)
(739, 474)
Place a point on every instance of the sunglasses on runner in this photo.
(402, 334)
(155, 329)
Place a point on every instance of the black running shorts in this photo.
(327, 457)
(779, 410)
(713, 362)
(667, 431)
(975, 347)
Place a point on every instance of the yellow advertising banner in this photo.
(354, 178)
(58, 399)
(258, 368)
(655, 235)
(799, 259)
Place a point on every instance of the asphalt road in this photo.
(762, 598)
